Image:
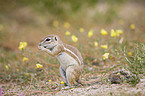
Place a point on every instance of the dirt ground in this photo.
(106, 90)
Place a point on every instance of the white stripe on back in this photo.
(73, 54)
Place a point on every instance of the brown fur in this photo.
(74, 71)
(75, 50)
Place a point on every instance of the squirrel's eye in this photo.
(47, 39)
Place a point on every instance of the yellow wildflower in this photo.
(7, 67)
(113, 33)
(130, 53)
(25, 59)
(118, 73)
(17, 70)
(96, 44)
(92, 76)
(39, 66)
(1, 27)
(74, 38)
(22, 45)
(104, 46)
(67, 33)
(99, 75)
(66, 25)
(124, 81)
(139, 58)
(90, 33)
(105, 56)
(27, 74)
(55, 23)
(81, 29)
(61, 82)
(119, 32)
(49, 80)
(132, 26)
(103, 32)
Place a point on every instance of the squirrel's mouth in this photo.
(52, 48)
(47, 46)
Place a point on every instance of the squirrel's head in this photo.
(49, 42)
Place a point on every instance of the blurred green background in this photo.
(21, 17)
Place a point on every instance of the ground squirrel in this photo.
(69, 57)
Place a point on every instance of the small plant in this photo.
(136, 63)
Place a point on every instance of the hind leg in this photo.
(63, 74)
(72, 74)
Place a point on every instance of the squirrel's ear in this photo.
(55, 38)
